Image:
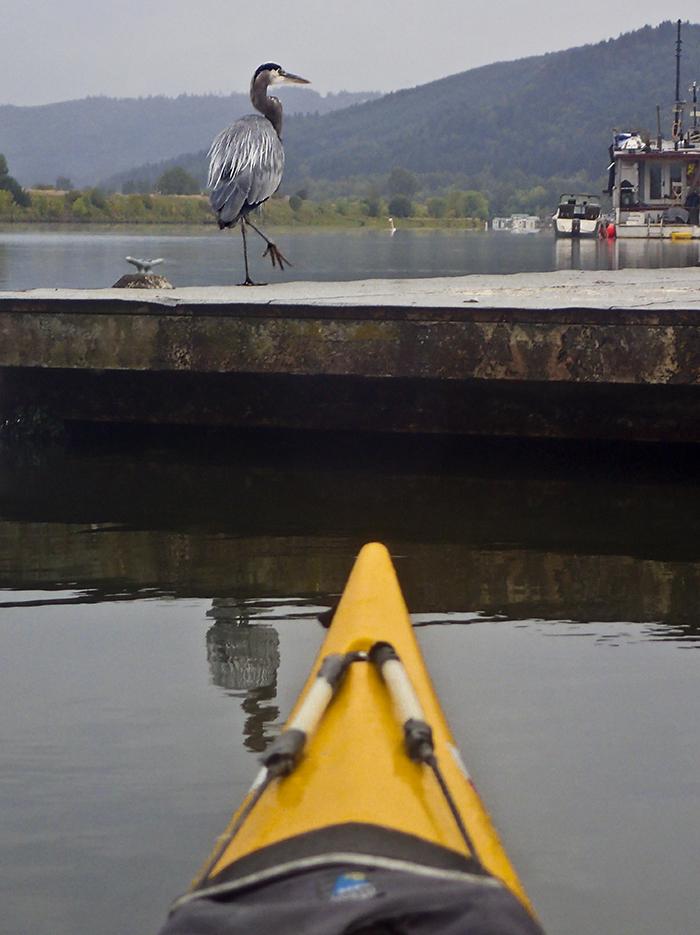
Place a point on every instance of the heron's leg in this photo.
(273, 251)
(248, 281)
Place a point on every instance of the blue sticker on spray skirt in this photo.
(349, 886)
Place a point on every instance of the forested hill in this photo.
(505, 124)
(543, 116)
(89, 139)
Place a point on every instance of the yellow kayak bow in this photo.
(366, 772)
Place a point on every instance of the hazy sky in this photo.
(74, 48)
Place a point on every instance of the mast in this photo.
(678, 61)
(677, 131)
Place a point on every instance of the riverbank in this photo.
(93, 206)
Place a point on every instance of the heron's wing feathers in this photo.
(245, 166)
(227, 199)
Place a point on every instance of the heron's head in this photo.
(270, 73)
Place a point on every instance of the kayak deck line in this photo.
(281, 758)
(418, 734)
(285, 751)
(354, 777)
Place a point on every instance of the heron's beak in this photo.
(292, 79)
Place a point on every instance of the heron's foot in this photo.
(276, 256)
(249, 282)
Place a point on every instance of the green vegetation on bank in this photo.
(94, 206)
(172, 204)
(368, 212)
(175, 197)
(518, 193)
(10, 189)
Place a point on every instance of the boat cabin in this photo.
(655, 185)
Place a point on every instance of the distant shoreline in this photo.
(404, 224)
(88, 207)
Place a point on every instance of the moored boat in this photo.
(577, 215)
(363, 817)
(655, 186)
(654, 181)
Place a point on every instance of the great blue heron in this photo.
(246, 161)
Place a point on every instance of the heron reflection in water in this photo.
(246, 161)
(243, 659)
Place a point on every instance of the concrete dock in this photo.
(574, 354)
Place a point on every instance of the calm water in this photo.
(61, 257)
(157, 617)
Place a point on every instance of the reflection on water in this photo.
(593, 254)
(32, 258)
(158, 610)
(243, 659)
(550, 532)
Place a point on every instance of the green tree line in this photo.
(10, 189)
(176, 198)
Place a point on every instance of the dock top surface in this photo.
(650, 289)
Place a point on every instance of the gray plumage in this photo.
(245, 168)
(246, 161)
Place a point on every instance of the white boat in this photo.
(655, 181)
(655, 186)
(577, 215)
(517, 224)
(524, 224)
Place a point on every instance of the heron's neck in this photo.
(270, 107)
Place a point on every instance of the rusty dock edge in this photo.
(569, 372)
